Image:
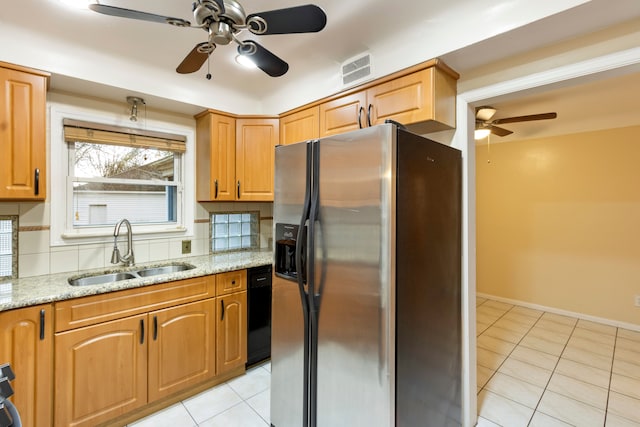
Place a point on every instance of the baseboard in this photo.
(610, 322)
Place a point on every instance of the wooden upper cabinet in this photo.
(343, 114)
(300, 126)
(215, 157)
(255, 158)
(26, 343)
(425, 96)
(425, 100)
(23, 150)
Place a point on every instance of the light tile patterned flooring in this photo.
(541, 369)
(534, 369)
(240, 402)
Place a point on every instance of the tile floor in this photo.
(240, 402)
(534, 369)
(541, 369)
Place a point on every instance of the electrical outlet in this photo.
(637, 300)
(186, 246)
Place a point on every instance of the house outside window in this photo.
(111, 182)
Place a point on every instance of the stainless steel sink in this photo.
(166, 269)
(102, 278)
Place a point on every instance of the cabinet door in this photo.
(100, 371)
(22, 135)
(231, 331)
(181, 347)
(427, 95)
(215, 157)
(343, 114)
(300, 126)
(255, 158)
(26, 342)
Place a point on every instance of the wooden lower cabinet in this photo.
(173, 331)
(232, 331)
(106, 370)
(26, 342)
(101, 371)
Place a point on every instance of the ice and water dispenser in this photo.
(285, 256)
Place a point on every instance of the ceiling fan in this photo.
(485, 126)
(224, 20)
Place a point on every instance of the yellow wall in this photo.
(558, 222)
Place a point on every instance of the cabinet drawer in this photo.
(230, 282)
(115, 305)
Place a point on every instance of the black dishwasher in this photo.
(259, 314)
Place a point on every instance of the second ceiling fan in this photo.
(224, 20)
(484, 122)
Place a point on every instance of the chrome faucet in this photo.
(115, 256)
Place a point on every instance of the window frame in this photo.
(62, 230)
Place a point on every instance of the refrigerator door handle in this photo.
(302, 254)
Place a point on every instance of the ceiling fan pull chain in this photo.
(209, 66)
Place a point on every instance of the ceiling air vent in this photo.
(356, 69)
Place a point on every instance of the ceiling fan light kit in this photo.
(486, 126)
(224, 21)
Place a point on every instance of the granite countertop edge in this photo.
(31, 291)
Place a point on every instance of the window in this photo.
(234, 231)
(8, 246)
(110, 182)
(102, 173)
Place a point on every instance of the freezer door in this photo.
(287, 321)
(354, 280)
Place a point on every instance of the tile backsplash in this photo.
(37, 257)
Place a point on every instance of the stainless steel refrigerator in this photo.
(366, 305)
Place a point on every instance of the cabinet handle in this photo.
(215, 183)
(42, 324)
(360, 117)
(222, 307)
(238, 189)
(369, 114)
(155, 328)
(36, 185)
(141, 331)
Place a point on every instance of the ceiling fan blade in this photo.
(500, 131)
(194, 60)
(299, 19)
(529, 118)
(264, 59)
(135, 14)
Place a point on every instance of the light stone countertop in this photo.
(16, 293)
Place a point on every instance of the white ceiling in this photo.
(108, 57)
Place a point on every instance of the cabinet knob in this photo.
(215, 183)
